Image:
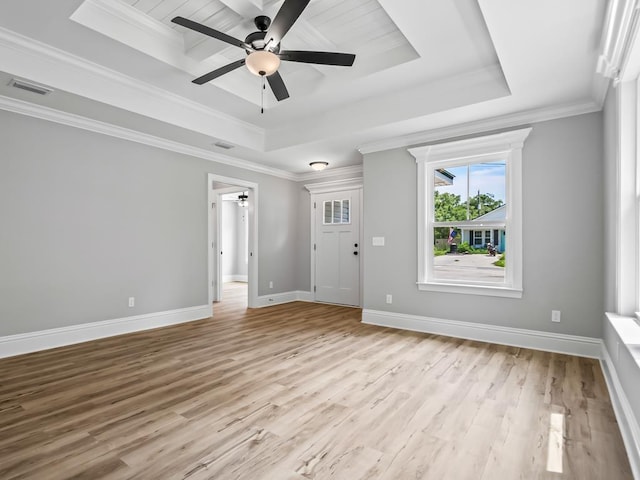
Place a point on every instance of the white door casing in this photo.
(336, 266)
(216, 286)
(214, 270)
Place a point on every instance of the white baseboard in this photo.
(12, 345)
(285, 297)
(517, 337)
(627, 421)
(235, 278)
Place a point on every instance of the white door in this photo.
(337, 247)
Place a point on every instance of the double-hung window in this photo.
(470, 215)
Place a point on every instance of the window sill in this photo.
(485, 290)
(629, 332)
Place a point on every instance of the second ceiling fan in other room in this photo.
(263, 48)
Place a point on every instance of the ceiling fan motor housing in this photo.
(262, 22)
(256, 39)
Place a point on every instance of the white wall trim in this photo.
(618, 30)
(355, 170)
(58, 337)
(506, 146)
(315, 189)
(629, 426)
(284, 297)
(216, 228)
(517, 337)
(481, 126)
(627, 253)
(335, 185)
(84, 123)
(77, 121)
(30, 58)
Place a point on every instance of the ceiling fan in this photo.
(263, 48)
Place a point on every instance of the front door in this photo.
(337, 247)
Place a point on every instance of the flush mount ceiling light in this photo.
(319, 165)
(263, 63)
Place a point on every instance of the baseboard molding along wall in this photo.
(285, 297)
(18, 344)
(629, 426)
(517, 337)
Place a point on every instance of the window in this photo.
(336, 212)
(470, 215)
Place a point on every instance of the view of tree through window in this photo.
(469, 222)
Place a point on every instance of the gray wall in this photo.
(89, 220)
(563, 235)
(234, 238)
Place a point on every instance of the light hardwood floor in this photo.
(303, 391)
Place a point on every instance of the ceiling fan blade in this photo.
(277, 85)
(285, 18)
(322, 58)
(198, 27)
(218, 72)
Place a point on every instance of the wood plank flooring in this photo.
(303, 391)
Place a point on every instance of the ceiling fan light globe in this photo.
(262, 63)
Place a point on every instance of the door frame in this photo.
(213, 196)
(333, 187)
(218, 277)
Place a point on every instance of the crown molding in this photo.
(335, 185)
(32, 59)
(352, 170)
(77, 121)
(84, 123)
(619, 29)
(480, 126)
(476, 146)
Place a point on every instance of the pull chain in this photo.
(262, 96)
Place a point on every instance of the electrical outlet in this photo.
(389, 298)
(132, 301)
(555, 316)
(270, 284)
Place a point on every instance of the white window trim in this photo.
(501, 146)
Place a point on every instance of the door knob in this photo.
(355, 253)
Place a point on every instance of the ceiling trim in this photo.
(350, 170)
(77, 121)
(96, 126)
(135, 29)
(619, 27)
(335, 186)
(32, 59)
(495, 123)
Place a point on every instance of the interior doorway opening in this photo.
(233, 253)
(234, 247)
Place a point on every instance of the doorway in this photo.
(225, 212)
(234, 247)
(336, 233)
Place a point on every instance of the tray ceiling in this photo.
(420, 66)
